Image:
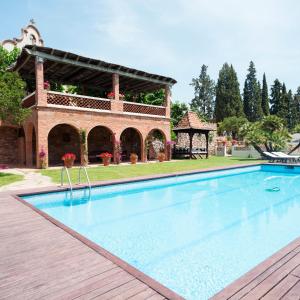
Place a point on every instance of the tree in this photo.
(252, 96)
(265, 102)
(154, 98)
(12, 91)
(279, 100)
(269, 134)
(178, 109)
(228, 97)
(232, 125)
(276, 92)
(7, 58)
(204, 90)
(293, 116)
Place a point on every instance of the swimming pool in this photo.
(193, 233)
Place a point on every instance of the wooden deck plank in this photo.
(39, 260)
(131, 292)
(279, 290)
(293, 294)
(240, 288)
(266, 285)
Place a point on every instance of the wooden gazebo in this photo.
(191, 124)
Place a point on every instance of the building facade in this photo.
(58, 118)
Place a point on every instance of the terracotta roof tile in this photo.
(191, 120)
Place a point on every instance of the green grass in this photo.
(127, 171)
(7, 178)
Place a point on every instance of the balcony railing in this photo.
(145, 109)
(81, 102)
(78, 101)
(29, 101)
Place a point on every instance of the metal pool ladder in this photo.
(64, 169)
(86, 175)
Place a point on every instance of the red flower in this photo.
(112, 95)
(105, 155)
(68, 156)
(46, 85)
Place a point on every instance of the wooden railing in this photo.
(79, 101)
(145, 109)
(29, 101)
(87, 102)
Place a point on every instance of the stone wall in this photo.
(9, 146)
(199, 141)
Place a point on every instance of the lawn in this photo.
(7, 178)
(127, 171)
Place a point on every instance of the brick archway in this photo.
(99, 139)
(155, 142)
(63, 138)
(131, 142)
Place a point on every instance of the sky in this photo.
(170, 37)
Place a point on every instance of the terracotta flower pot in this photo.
(106, 161)
(69, 163)
(133, 159)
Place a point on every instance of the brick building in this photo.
(58, 118)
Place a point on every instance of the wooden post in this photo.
(191, 134)
(206, 137)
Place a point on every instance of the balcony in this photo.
(80, 102)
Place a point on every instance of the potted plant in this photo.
(106, 157)
(68, 159)
(161, 156)
(111, 95)
(42, 158)
(133, 158)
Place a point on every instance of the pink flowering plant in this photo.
(43, 158)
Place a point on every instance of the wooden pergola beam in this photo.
(78, 63)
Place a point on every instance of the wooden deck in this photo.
(278, 277)
(39, 260)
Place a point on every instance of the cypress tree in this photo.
(252, 96)
(283, 111)
(265, 102)
(204, 100)
(293, 110)
(228, 97)
(276, 93)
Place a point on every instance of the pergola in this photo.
(69, 68)
(191, 124)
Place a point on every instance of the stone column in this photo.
(40, 93)
(116, 103)
(168, 101)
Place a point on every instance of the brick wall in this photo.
(8, 146)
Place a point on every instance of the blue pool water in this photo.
(195, 233)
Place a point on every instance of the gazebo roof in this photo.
(69, 68)
(191, 122)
